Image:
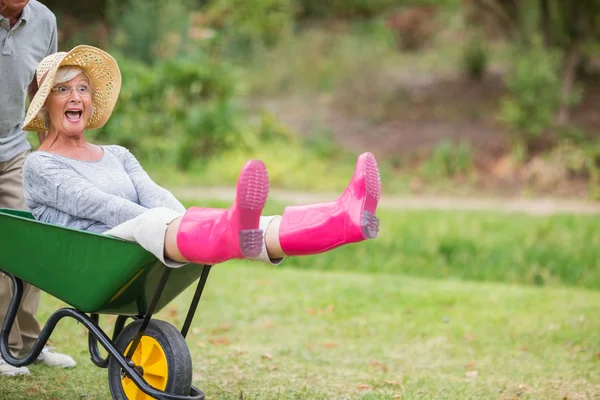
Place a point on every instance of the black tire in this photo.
(177, 354)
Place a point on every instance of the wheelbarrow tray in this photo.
(91, 272)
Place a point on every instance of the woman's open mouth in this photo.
(73, 115)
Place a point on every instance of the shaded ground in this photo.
(403, 114)
(416, 115)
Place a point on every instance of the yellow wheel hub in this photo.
(150, 356)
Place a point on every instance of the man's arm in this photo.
(33, 86)
(32, 90)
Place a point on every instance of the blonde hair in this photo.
(65, 74)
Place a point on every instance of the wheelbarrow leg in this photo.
(195, 300)
(11, 315)
(161, 286)
(93, 343)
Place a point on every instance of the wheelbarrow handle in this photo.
(9, 320)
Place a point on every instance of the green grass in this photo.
(560, 249)
(353, 323)
(268, 333)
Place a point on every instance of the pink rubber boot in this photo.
(213, 235)
(315, 228)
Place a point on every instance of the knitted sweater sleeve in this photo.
(50, 183)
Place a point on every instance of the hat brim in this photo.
(104, 73)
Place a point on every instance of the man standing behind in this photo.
(27, 35)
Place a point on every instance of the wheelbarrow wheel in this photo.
(162, 357)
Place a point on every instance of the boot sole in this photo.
(251, 197)
(369, 225)
(369, 222)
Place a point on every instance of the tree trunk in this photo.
(546, 23)
(568, 76)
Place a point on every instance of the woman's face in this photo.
(69, 105)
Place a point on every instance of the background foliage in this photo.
(201, 78)
(448, 93)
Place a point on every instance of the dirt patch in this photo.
(402, 115)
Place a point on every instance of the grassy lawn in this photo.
(268, 333)
(559, 249)
(401, 317)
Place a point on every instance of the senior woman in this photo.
(71, 182)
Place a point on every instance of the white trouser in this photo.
(149, 230)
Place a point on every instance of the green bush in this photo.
(316, 60)
(345, 8)
(322, 144)
(148, 30)
(357, 9)
(271, 130)
(247, 25)
(475, 58)
(533, 88)
(176, 109)
(448, 159)
(580, 158)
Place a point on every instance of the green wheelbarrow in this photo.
(97, 274)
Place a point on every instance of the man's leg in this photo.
(26, 327)
(11, 196)
(14, 339)
(26, 316)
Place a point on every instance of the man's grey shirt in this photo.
(22, 48)
(91, 196)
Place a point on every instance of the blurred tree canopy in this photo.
(86, 10)
(565, 25)
(359, 9)
(181, 60)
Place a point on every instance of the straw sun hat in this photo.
(102, 70)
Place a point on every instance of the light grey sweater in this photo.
(92, 196)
